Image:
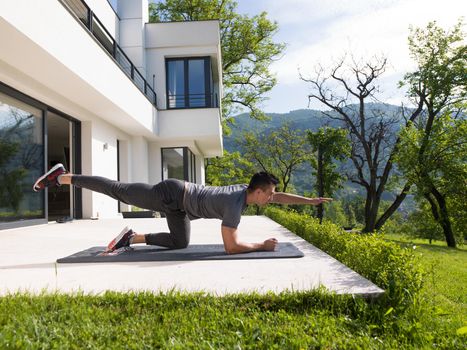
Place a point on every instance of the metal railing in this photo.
(192, 101)
(84, 14)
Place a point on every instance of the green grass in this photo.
(445, 287)
(181, 321)
(310, 320)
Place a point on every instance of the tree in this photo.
(348, 90)
(247, 49)
(280, 152)
(229, 169)
(335, 213)
(433, 148)
(439, 172)
(328, 144)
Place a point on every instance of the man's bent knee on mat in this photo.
(182, 202)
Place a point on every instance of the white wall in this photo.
(182, 34)
(133, 16)
(125, 165)
(86, 166)
(154, 163)
(200, 170)
(139, 159)
(200, 124)
(98, 160)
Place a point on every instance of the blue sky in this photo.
(321, 31)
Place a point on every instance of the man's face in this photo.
(264, 196)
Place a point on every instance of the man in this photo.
(184, 201)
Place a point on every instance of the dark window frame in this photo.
(208, 85)
(186, 172)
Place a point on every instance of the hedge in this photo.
(391, 267)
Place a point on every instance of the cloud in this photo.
(320, 31)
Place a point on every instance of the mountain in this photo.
(298, 119)
(301, 119)
(304, 119)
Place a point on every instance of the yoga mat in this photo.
(192, 253)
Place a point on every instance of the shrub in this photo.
(386, 264)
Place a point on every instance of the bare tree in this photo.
(348, 90)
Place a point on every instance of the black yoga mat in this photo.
(192, 253)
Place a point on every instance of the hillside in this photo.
(302, 119)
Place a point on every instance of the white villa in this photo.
(106, 93)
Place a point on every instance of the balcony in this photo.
(192, 101)
(81, 11)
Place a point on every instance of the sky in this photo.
(321, 31)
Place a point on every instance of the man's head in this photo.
(261, 188)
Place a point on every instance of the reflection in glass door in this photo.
(21, 160)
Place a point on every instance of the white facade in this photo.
(54, 59)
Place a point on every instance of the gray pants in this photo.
(166, 197)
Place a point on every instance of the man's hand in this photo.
(270, 244)
(317, 201)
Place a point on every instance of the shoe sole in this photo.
(57, 166)
(114, 241)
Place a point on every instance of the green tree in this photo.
(421, 224)
(439, 171)
(328, 144)
(432, 154)
(279, 152)
(229, 169)
(336, 214)
(247, 46)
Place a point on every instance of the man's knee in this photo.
(180, 244)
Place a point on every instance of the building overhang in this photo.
(62, 65)
(201, 125)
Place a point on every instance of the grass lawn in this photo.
(445, 287)
(312, 320)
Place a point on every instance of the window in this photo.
(189, 82)
(178, 163)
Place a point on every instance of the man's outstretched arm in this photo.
(233, 246)
(289, 198)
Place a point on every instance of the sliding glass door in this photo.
(21, 160)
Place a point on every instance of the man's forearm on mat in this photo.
(232, 245)
(242, 247)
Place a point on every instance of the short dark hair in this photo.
(262, 180)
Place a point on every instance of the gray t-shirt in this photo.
(225, 203)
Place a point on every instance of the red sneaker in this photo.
(49, 179)
(122, 240)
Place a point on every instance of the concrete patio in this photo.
(28, 262)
